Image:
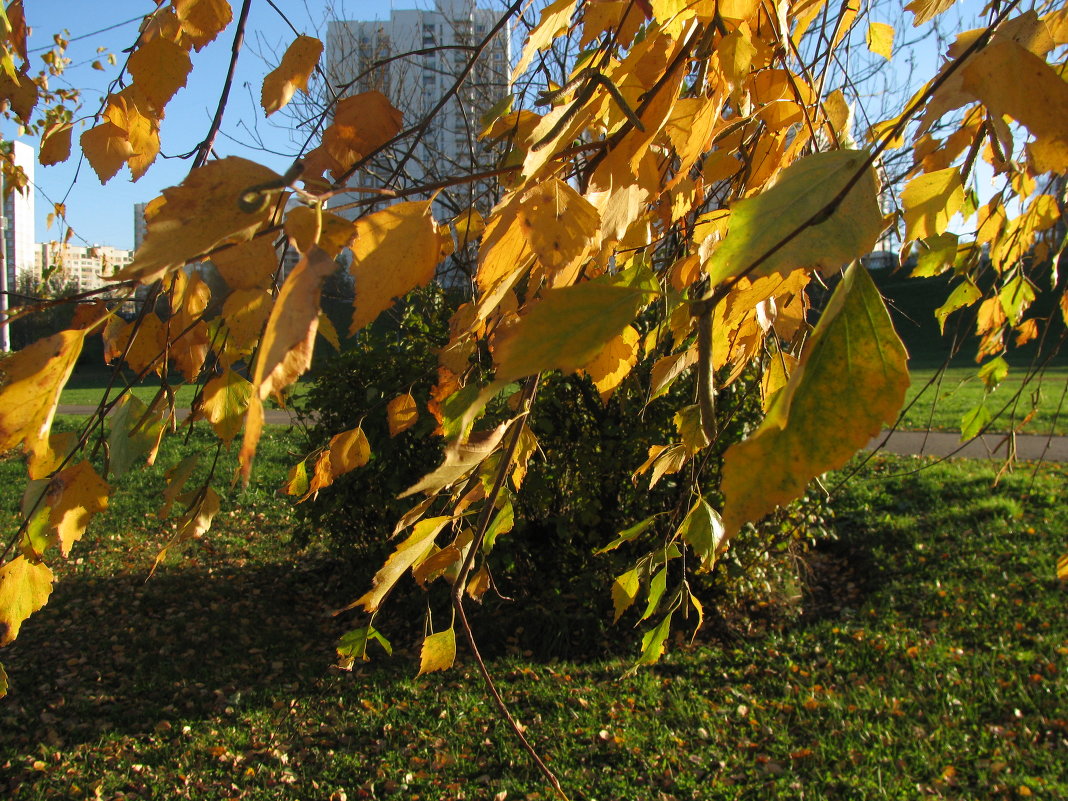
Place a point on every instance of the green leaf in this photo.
(974, 421)
(568, 327)
(656, 592)
(851, 381)
(439, 651)
(653, 642)
(410, 552)
(962, 296)
(936, 255)
(627, 535)
(703, 531)
(624, 592)
(994, 372)
(135, 431)
(688, 423)
(502, 523)
(353, 645)
(780, 216)
(1016, 297)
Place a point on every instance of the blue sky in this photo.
(104, 214)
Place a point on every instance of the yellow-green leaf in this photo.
(776, 231)
(460, 459)
(225, 402)
(568, 327)
(291, 74)
(409, 553)
(703, 531)
(24, 588)
(624, 592)
(438, 652)
(929, 201)
(963, 295)
(851, 381)
(396, 250)
(135, 431)
(653, 642)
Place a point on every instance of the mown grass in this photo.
(926, 660)
(1035, 405)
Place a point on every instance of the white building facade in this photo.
(19, 218)
(441, 40)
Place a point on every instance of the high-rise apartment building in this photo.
(86, 268)
(18, 218)
(441, 41)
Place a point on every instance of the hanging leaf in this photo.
(292, 74)
(202, 20)
(880, 39)
(107, 148)
(438, 652)
(353, 645)
(568, 327)
(554, 22)
(396, 250)
(224, 403)
(926, 10)
(159, 68)
(410, 552)
(851, 381)
(613, 364)
(24, 588)
(703, 531)
(929, 202)
(348, 450)
(776, 231)
(33, 379)
(197, 215)
(135, 432)
(402, 413)
(55, 144)
(624, 592)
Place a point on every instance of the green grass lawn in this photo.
(941, 404)
(927, 659)
(87, 385)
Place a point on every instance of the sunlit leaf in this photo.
(624, 592)
(32, 381)
(703, 531)
(353, 645)
(568, 327)
(202, 20)
(159, 68)
(926, 10)
(654, 642)
(55, 144)
(224, 403)
(554, 22)
(291, 74)
(930, 201)
(401, 413)
(775, 230)
(962, 296)
(410, 552)
(396, 250)
(851, 381)
(348, 450)
(107, 148)
(197, 215)
(438, 651)
(24, 588)
(135, 432)
(614, 362)
(880, 39)
(627, 535)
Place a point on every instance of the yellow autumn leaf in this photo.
(291, 74)
(24, 588)
(554, 22)
(797, 222)
(396, 250)
(159, 68)
(559, 223)
(285, 351)
(245, 311)
(362, 124)
(131, 111)
(224, 403)
(880, 39)
(107, 148)
(331, 232)
(469, 226)
(197, 215)
(247, 265)
(33, 379)
(614, 363)
(202, 20)
(55, 144)
(71, 499)
(438, 651)
(929, 202)
(402, 413)
(1062, 568)
(568, 327)
(851, 381)
(460, 459)
(348, 450)
(409, 553)
(926, 10)
(20, 97)
(1011, 80)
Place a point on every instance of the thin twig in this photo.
(204, 148)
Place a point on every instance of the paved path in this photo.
(933, 443)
